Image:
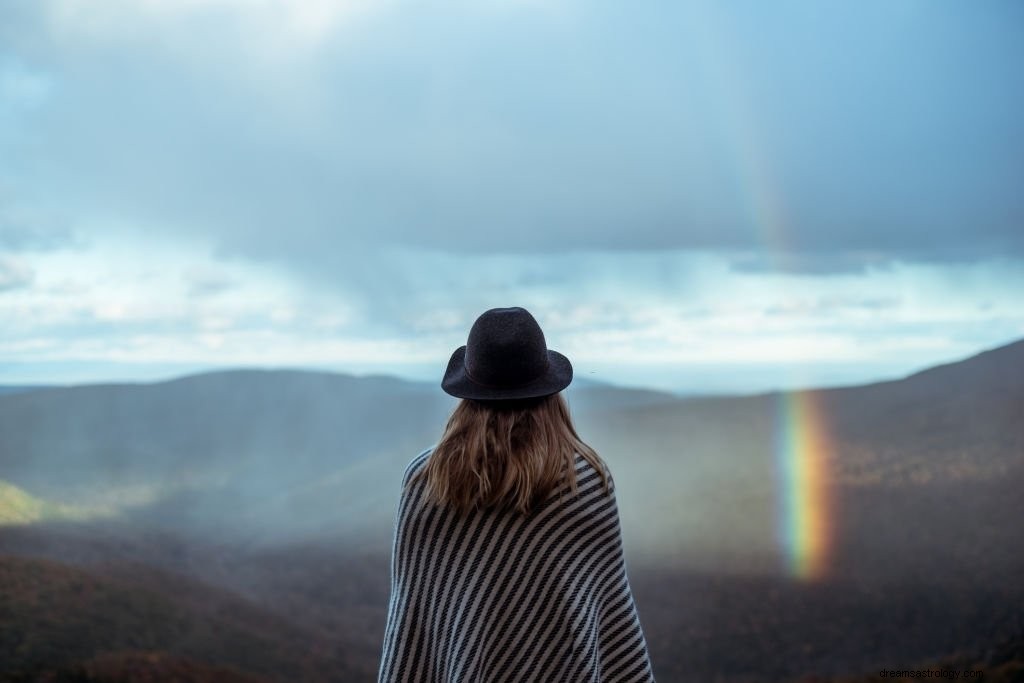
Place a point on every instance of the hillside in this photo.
(271, 494)
(1002, 662)
(244, 451)
(135, 667)
(910, 437)
(202, 427)
(19, 388)
(20, 507)
(55, 617)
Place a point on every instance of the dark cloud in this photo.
(841, 140)
(204, 283)
(22, 229)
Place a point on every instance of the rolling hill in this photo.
(54, 617)
(274, 492)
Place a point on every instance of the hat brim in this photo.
(457, 383)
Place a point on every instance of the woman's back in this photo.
(498, 595)
(507, 562)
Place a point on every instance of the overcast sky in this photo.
(700, 196)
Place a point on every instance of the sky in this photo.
(693, 196)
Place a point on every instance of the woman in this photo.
(507, 562)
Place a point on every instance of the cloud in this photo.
(831, 305)
(276, 24)
(810, 263)
(14, 237)
(122, 306)
(204, 282)
(27, 229)
(20, 87)
(508, 128)
(14, 275)
(281, 182)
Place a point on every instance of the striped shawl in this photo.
(497, 596)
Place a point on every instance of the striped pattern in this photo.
(501, 597)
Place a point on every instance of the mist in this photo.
(279, 488)
(781, 244)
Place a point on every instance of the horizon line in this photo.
(22, 387)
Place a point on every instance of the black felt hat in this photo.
(506, 357)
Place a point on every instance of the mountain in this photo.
(19, 389)
(55, 616)
(283, 455)
(705, 465)
(245, 448)
(20, 507)
(276, 490)
(202, 426)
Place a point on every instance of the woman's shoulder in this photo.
(586, 470)
(416, 464)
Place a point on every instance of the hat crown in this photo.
(506, 347)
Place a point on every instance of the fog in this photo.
(781, 244)
(281, 487)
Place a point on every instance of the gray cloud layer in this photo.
(835, 137)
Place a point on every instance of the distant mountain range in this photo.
(279, 438)
(19, 389)
(274, 492)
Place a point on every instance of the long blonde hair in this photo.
(509, 453)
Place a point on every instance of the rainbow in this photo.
(804, 524)
(802, 454)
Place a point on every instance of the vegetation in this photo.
(1002, 662)
(136, 667)
(20, 507)
(255, 545)
(65, 621)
